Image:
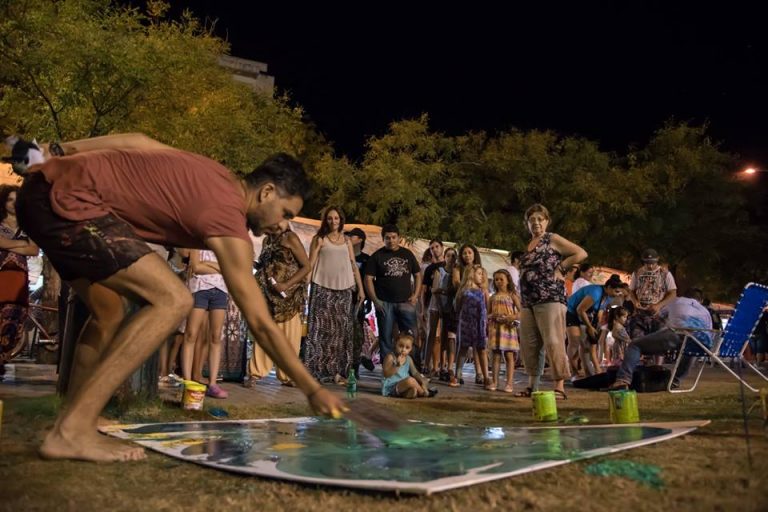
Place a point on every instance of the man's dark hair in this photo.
(285, 172)
(389, 228)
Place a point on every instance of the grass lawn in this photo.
(707, 470)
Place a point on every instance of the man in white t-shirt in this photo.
(651, 288)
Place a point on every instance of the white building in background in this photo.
(250, 72)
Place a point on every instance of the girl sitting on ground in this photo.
(401, 378)
(502, 327)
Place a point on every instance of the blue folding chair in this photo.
(731, 343)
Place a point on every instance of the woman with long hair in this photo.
(14, 284)
(334, 277)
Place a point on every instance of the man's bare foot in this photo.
(89, 446)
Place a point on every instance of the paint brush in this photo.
(369, 415)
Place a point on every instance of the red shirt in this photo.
(168, 196)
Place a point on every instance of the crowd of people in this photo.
(432, 316)
(94, 211)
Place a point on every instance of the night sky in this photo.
(612, 72)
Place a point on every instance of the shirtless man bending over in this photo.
(92, 210)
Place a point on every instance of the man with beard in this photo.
(92, 212)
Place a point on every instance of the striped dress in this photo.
(503, 336)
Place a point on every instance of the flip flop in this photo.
(524, 394)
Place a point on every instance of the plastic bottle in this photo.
(351, 384)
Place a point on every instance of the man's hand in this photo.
(413, 299)
(325, 403)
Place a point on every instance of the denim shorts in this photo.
(210, 299)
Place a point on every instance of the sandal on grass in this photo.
(524, 394)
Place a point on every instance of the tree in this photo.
(693, 210)
(82, 68)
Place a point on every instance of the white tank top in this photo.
(333, 268)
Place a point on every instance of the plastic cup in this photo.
(623, 407)
(544, 405)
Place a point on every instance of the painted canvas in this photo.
(419, 458)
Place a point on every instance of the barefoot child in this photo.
(401, 378)
(617, 319)
(472, 307)
(502, 327)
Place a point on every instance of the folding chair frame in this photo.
(714, 355)
(711, 353)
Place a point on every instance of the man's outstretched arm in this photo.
(235, 259)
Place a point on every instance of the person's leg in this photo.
(594, 358)
(405, 315)
(585, 356)
(461, 356)
(452, 348)
(407, 388)
(178, 339)
(292, 330)
(107, 313)
(201, 351)
(653, 344)
(166, 301)
(573, 333)
(216, 319)
(431, 361)
(496, 366)
(259, 365)
(509, 356)
(477, 363)
(385, 317)
(482, 355)
(191, 335)
(163, 355)
(437, 351)
(531, 347)
(550, 321)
